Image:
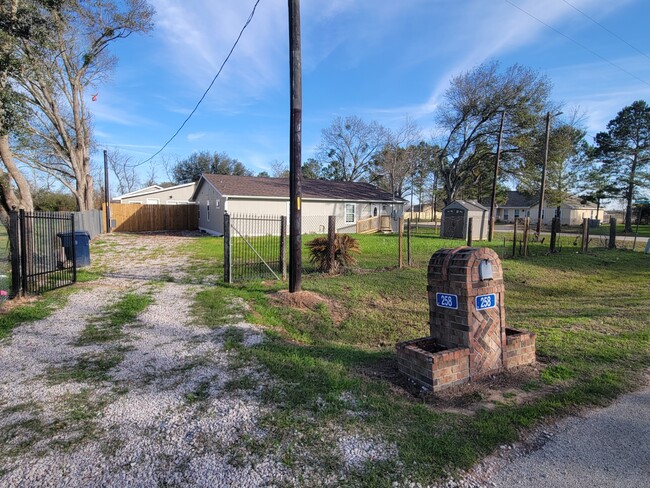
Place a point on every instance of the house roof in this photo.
(519, 200)
(253, 186)
(151, 190)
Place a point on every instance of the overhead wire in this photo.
(214, 79)
(605, 28)
(586, 48)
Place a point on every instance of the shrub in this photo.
(344, 246)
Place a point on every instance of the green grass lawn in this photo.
(590, 312)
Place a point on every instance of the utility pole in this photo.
(494, 181)
(107, 193)
(538, 230)
(295, 150)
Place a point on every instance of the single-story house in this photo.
(422, 211)
(520, 205)
(158, 195)
(353, 203)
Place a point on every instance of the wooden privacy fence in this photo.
(136, 217)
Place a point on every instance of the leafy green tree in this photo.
(470, 112)
(56, 72)
(20, 22)
(191, 168)
(311, 169)
(624, 150)
(567, 161)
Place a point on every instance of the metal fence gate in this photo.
(254, 247)
(43, 254)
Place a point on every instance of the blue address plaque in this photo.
(447, 300)
(483, 302)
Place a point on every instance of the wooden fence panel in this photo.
(136, 217)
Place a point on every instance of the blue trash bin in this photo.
(81, 245)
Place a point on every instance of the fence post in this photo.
(74, 250)
(612, 233)
(23, 251)
(409, 258)
(470, 225)
(585, 235)
(331, 246)
(14, 249)
(400, 252)
(553, 234)
(283, 246)
(227, 268)
(514, 239)
(526, 230)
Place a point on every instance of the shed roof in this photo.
(469, 205)
(253, 186)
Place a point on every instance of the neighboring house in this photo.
(157, 195)
(350, 202)
(520, 205)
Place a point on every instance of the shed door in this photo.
(454, 223)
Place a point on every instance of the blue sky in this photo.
(381, 60)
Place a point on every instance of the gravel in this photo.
(166, 413)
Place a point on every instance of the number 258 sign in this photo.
(484, 302)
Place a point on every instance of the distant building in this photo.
(520, 205)
(157, 195)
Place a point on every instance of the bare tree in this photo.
(397, 159)
(125, 171)
(54, 78)
(279, 169)
(470, 112)
(348, 147)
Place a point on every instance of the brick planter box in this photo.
(520, 348)
(431, 365)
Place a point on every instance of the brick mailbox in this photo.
(468, 334)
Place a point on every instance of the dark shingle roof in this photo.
(518, 199)
(253, 186)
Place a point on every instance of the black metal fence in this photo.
(43, 253)
(254, 247)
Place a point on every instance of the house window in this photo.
(153, 201)
(216, 203)
(505, 214)
(350, 213)
(207, 210)
(516, 213)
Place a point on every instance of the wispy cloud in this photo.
(197, 36)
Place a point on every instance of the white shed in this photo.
(455, 220)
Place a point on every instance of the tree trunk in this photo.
(11, 200)
(630, 195)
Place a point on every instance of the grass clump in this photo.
(108, 327)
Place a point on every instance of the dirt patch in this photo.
(516, 386)
(308, 300)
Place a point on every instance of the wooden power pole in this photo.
(295, 150)
(107, 193)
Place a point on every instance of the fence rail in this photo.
(135, 217)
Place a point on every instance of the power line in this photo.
(248, 21)
(606, 29)
(580, 44)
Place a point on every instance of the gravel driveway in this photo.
(158, 404)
